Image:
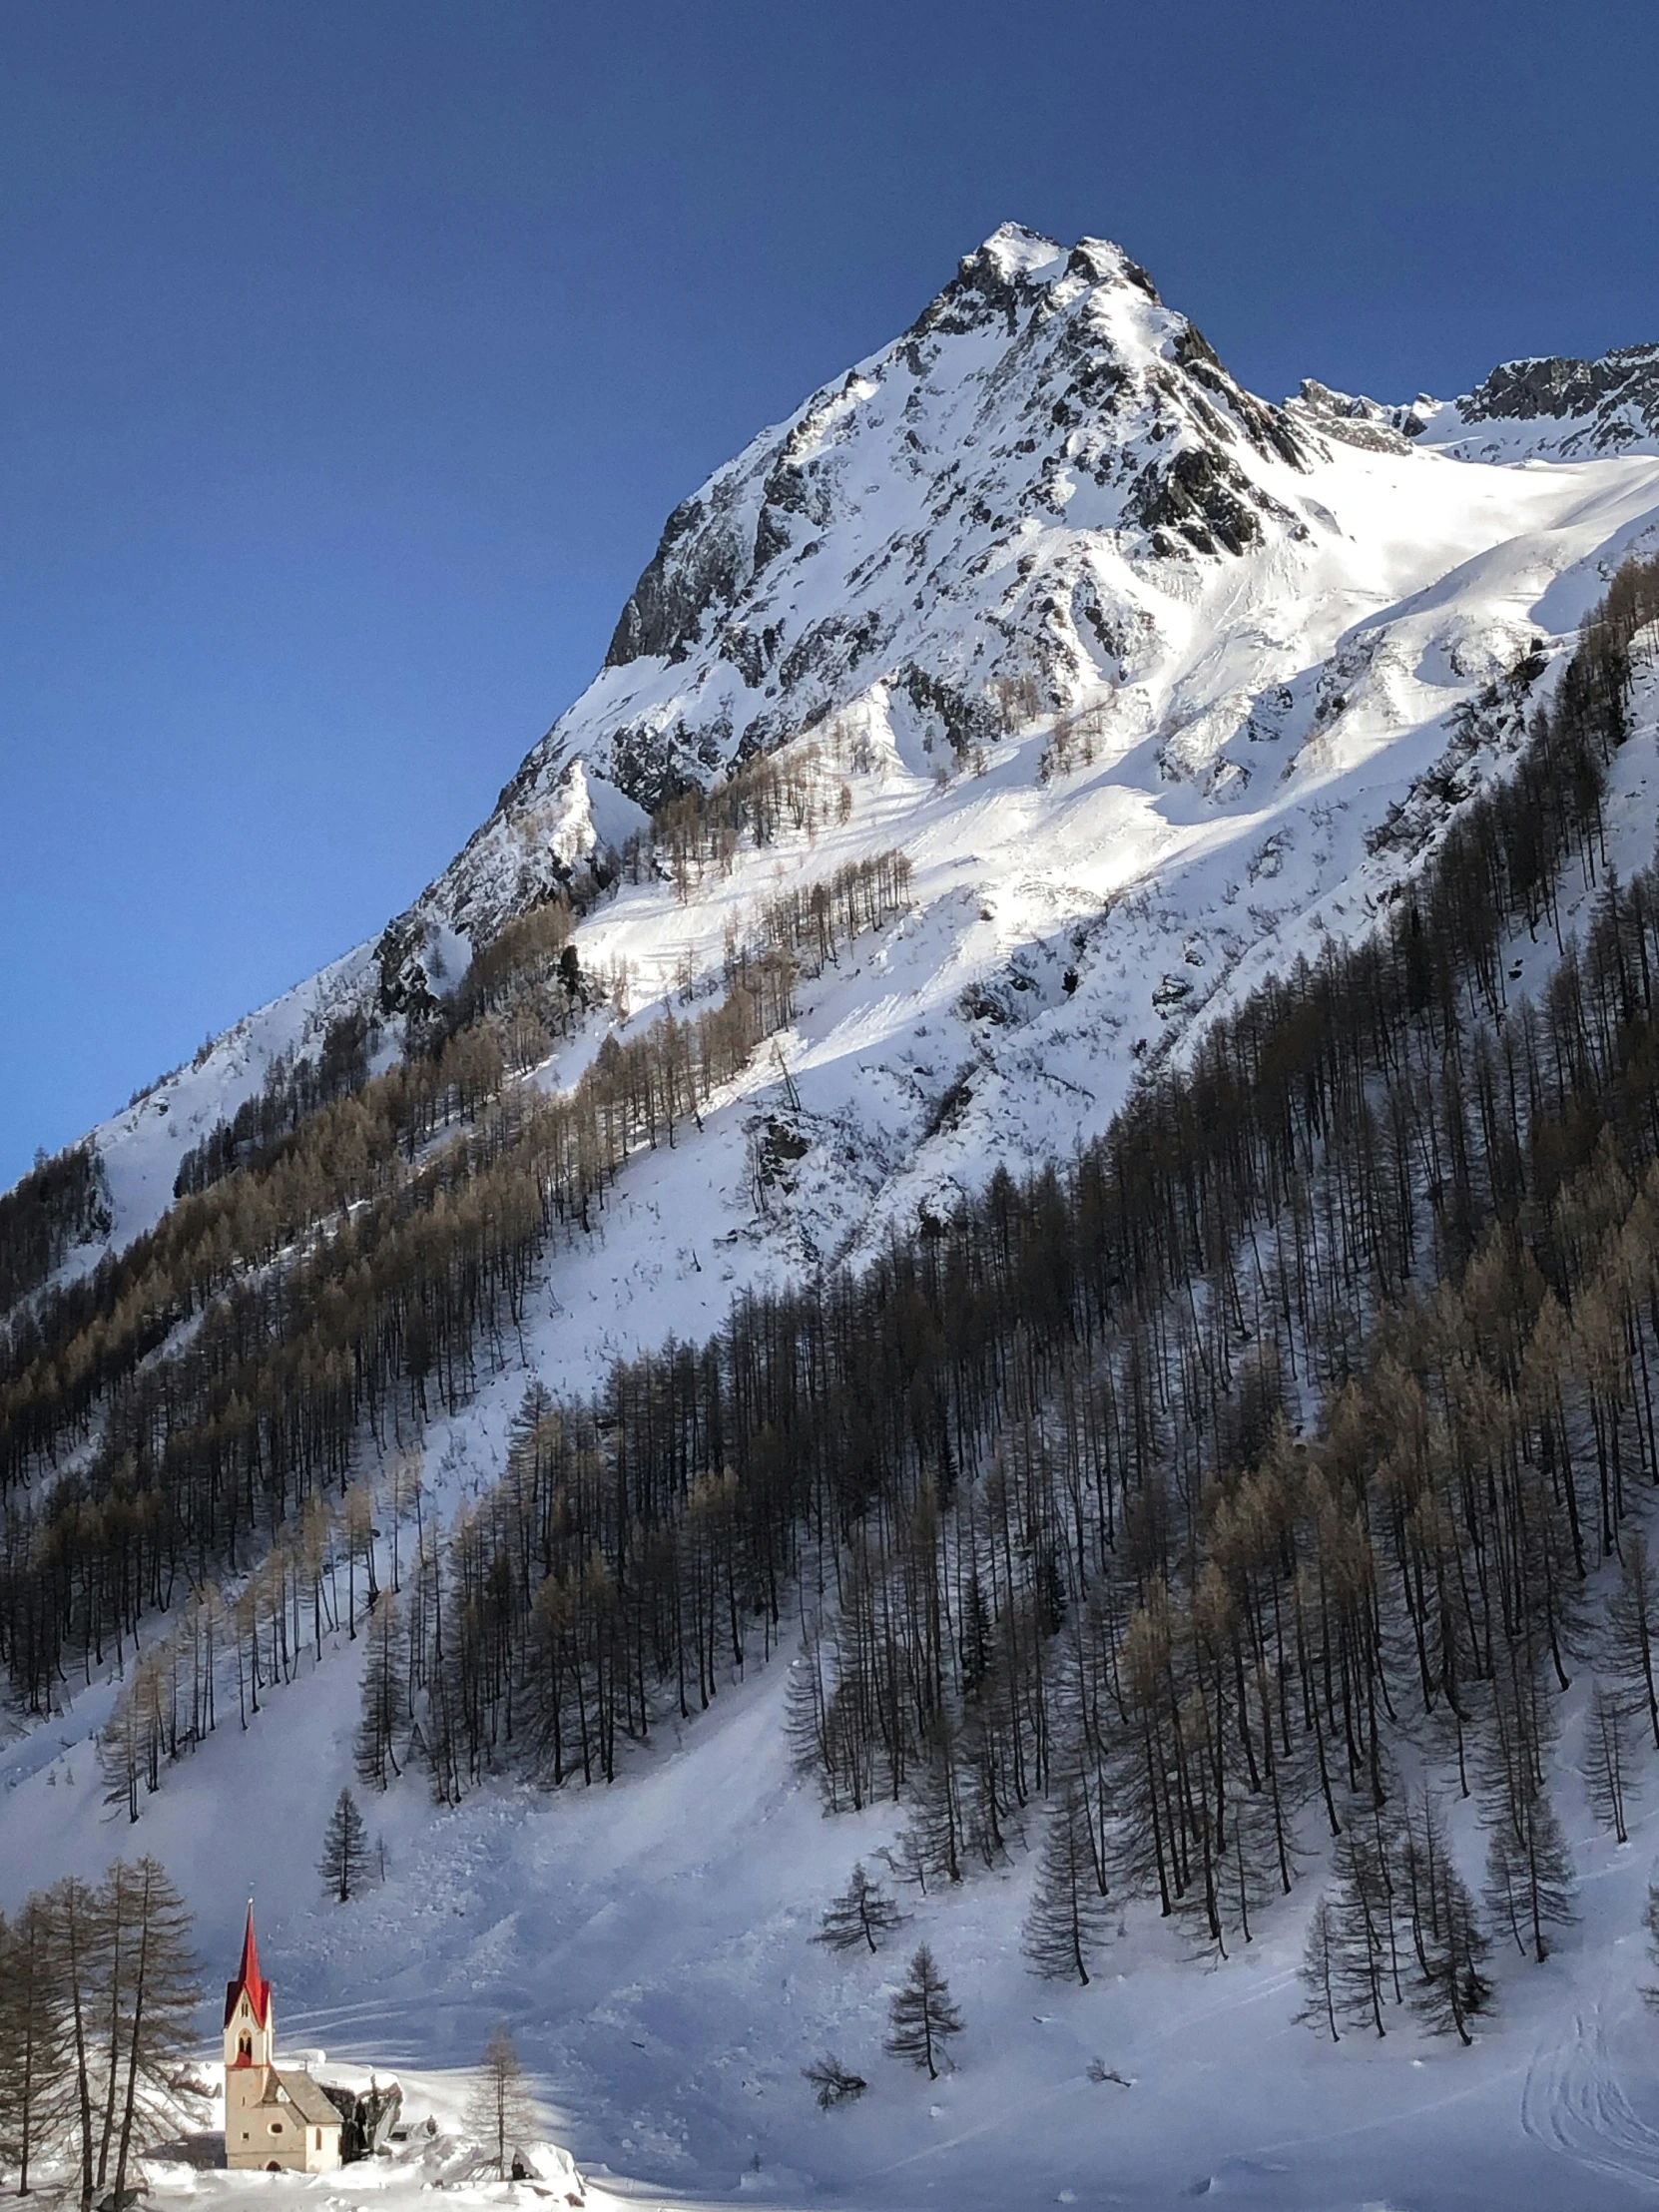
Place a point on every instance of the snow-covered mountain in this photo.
(1036, 501)
(1134, 664)
(1157, 686)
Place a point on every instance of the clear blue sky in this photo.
(351, 354)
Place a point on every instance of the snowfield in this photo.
(1190, 786)
(651, 1946)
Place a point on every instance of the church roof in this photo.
(248, 1978)
(311, 2103)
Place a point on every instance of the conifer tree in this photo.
(385, 1697)
(155, 2000)
(932, 1839)
(1529, 1876)
(859, 1914)
(499, 2113)
(922, 2018)
(1607, 1761)
(73, 1922)
(1365, 1932)
(1449, 1943)
(1068, 1916)
(346, 1854)
(31, 2041)
(1632, 1630)
(1318, 1973)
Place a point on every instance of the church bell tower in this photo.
(250, 2040)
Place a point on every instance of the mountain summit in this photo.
(972, 513)
(1016, 500)
(1091, 619)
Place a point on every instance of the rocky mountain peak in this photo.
(960, 522)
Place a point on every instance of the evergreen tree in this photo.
(499, 2113)
(31, 2041)
(922, 2018)
(345, 1854)
(859, 1914)
(1607, 1762)
(1529, 1876)
(1319, 1971)
(1068, 1917)
(384, 1697)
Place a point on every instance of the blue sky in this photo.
(352, 354)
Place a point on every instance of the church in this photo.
(273, 2122)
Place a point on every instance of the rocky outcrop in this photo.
(933, 525)
(1604, 407)
(983, 520)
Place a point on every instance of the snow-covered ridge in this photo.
(1554, 409)
(1128, 662)
(1006, 513)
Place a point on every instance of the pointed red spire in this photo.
(249, 1978)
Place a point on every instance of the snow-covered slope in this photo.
(1157, 686)
(1131, 664)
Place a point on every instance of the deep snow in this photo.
(650, 1942)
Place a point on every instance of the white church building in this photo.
(275, 2121)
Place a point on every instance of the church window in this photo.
(244, 2045)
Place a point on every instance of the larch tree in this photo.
(1449, 1943)
(1530, 1880)
(31, 2041)
(1607, 1758)
(75, 1927)
(345, 1852)
(1365, 1931)
(1631, 1635)
(154, 2005)
(922, 2018)
(1069, 1916)
(1320, 1972)
(386, 1713)
(860, 1915)
(499, 2113)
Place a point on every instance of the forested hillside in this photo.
(1046, 1252)
(1285, 1440)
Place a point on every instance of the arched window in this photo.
(244, 2045)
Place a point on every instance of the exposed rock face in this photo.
(1357, 420)
(1012, 505)
(941, 521)
(1550, 409)
(1606, 407)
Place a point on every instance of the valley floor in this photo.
(650, 1946)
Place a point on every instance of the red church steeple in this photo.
(249, 1979)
